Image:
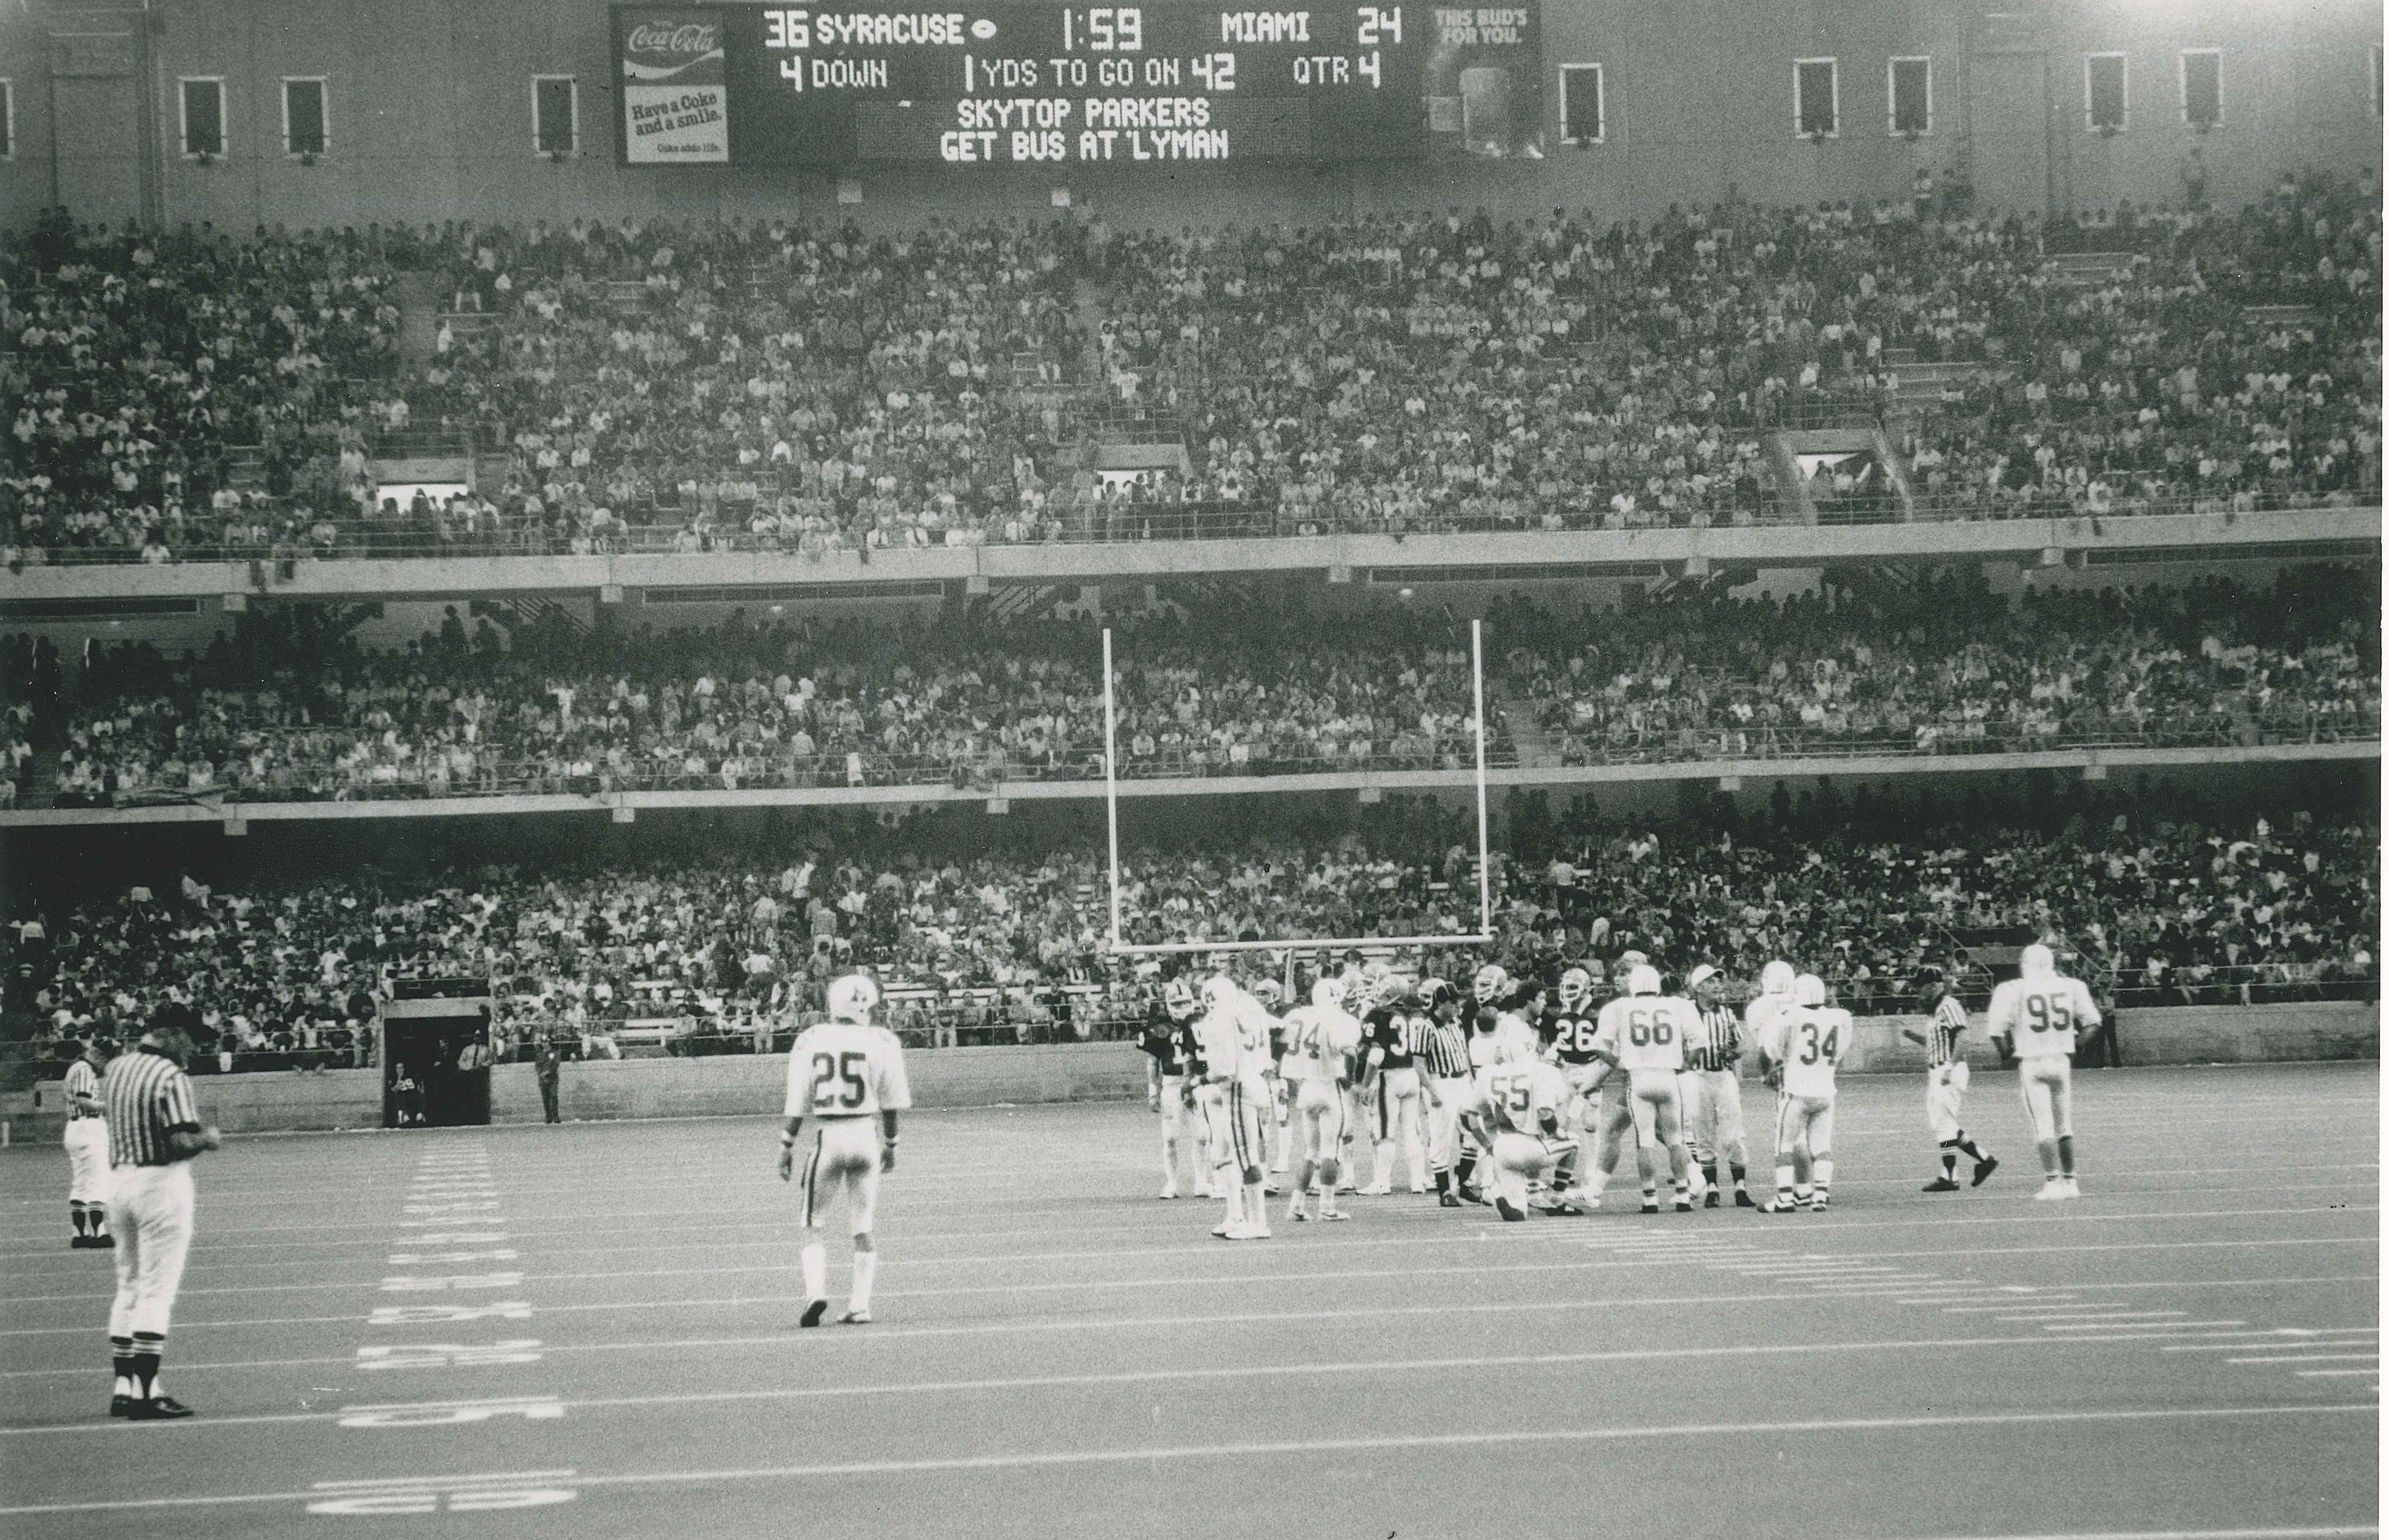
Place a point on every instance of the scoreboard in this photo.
(1018, 82)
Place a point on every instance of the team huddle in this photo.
(1530, 1103)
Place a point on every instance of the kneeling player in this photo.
(1807, 1044)
(848, 1076)
(1515, 1117)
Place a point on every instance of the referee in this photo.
(86, 1142)
(154, 1132)
(1440, 1044)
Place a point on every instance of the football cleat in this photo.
(2073, 1187)
(1984, 1167)
(1650, 1206)
(1249, 1232)
(856, 1316)
(1296, 1216)
(1510, 1213)
(2051, 1192)
(1683, 1205)
(1817, 1203)
(1418, 1188)
(1167, 1193)
(103, 1243)
(814, 1310)
(119, 1406)
(1448, 1200)
(1331, 1215)
(1742, 1198)
(1382, 1190)
(78, 1242)
(1715, 1200)
(157, 1408)
(1940, 1184)
(1781, 1203)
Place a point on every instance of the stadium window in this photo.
(204, 117)
(1581, 104)
(555, 114)
(7, 120)
(1911, 96)
(305, 129)
(2202, 87)
(2104, 89)
(1816, 98)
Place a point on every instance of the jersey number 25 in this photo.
(831, 1072)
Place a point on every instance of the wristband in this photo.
(787, 1141)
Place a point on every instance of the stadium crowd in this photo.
(2161, 903)
(814, 388)
(288, 707)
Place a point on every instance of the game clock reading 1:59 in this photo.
(1124, 86)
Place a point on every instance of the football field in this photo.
(590, 1330)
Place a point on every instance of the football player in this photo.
(1322, 1040)
(1945, 1078)
(1642, 1033)
(1277, 1119)
(1389, 1083)
(1805, 1045)
(1166, 1086)
(1236, 1096)
(1428, 1025)
(1514, 1109)
(1711, 1085)
(2036, 1015)
(848, 1075)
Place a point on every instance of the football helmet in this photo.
(1387, 990)
(1775, 978)
(1643, 980)
(1178, 998)
(1218, 991)
(1434, 994)
(1267, 992)
(1328, 993)
(1492, 983)
(1808, 989)
(2036, 960)
(851, 997)
(1576, 989)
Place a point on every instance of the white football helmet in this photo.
(1776, 978)
(1492, 983)
(1267, 992)
(852, 998)
(1628, 961)
(1328, 993)
(1218, 991)
(1643, 980)
(1178, 998)
(1576, 989)
(2037, 961)
(1808, 989)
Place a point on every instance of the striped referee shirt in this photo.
(1941, 1037)
(82, 1080)
(148, 1096)
(1722, 1044)
(1440, 1047)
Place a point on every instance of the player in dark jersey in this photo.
(1167, 1040)
(1393, 1074)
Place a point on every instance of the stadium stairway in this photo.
(1534, 746)
(418, 311)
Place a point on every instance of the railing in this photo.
(312, 781)
(1106, 523)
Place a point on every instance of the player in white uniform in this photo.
(848, 1076)
(1277, 1121)
(86, 1143)
(1806, 1043)
(2038, 1014)
(1642, 1034)
(1322, 1041)
(1233, 1033)
(1515, 1111)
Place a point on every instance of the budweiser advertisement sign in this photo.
(675, 107)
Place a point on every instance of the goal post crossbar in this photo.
(1303, 944)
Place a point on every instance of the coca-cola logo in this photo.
(692, 38)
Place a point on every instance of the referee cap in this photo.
(1699, 976)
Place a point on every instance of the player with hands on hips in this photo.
(1322, 1041)
(1806, 1044)
(2036, 1014)
(848, 1075)
(1167, 1090)
(1642, 1033)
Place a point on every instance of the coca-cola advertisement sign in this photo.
(675, 99)
(680, 46)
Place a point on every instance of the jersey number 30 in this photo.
(829, 1072)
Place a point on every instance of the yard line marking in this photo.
(2348, 1336)
(2309, 1359)
(2091, 1313)
(2129, 1326)
(1067, 1458)
(2333, 1373)
(2332, 1531)
(482, 1479)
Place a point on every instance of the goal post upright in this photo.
(1483, 842)
(1111, 784)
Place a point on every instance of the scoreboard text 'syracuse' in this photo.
(1030, 84)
